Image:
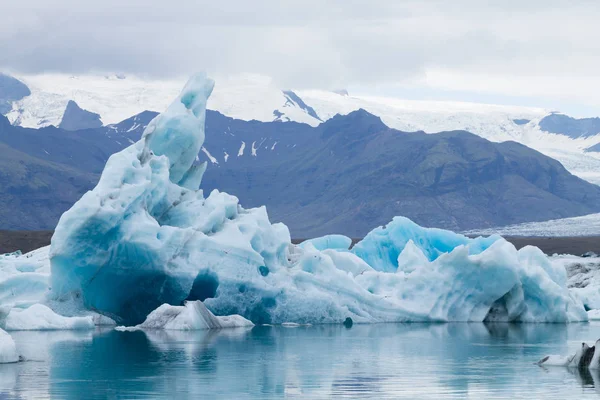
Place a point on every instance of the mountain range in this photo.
(113, 98)
(345, 175)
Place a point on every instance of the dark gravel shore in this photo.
(577, 245)
(23, 240)
(31, 240)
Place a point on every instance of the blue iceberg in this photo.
(146, 235)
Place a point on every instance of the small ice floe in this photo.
(190, 317)
(293, 325)
(585, 357)
(39, 317)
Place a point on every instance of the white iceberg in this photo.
(8, 349)
(147, 236)
(583, 275)
(24, 278)
(337, 242)
(190, 317)
(39, 317)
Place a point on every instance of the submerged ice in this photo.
(146, 235)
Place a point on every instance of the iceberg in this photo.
(583, 275)
(25, 301)
(586, 357)
(146, 245)
(8, 349)
(39, 317)
(192, 316)
(24, 278)
(382, 246)
(338, 242)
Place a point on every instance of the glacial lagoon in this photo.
(436, 361)
(146, 236)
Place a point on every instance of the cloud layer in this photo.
(544, 49)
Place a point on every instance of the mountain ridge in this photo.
(346, 175)
(251, 97)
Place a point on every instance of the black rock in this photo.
(11, 89)
(569, 126)
(75, 118)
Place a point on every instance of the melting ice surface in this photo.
(147, 236)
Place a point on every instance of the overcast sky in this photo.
(530, 52)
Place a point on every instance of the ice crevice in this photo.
(148, 249)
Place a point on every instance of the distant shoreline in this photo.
(30, 240)
(25, 241)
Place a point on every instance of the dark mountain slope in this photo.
(569, 126)
(34, 193)
(348, 175)
(76, 118)
(11, 89)
(353, 173)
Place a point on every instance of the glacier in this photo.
(147, 236)
(586, 225)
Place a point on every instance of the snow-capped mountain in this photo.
(252, 97)
(118, 97)
(555, 135)
(317, 180)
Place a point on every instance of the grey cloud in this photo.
(301, 44)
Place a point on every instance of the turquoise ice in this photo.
(148, 236)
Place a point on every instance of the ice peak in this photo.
(178, 133)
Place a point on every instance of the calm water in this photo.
(372, 361)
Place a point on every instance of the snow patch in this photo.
(210, 157)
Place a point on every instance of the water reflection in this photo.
(381, 361)
(30, 379)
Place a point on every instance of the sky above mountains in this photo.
(540, 53)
